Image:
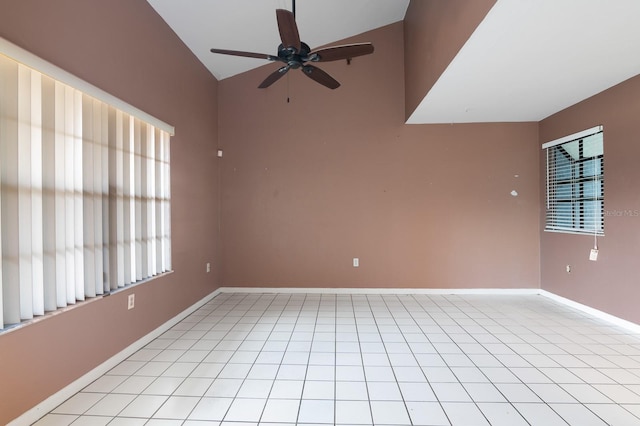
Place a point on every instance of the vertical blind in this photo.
(575, 183)
(84, 195)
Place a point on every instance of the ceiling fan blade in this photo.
(288, 29)
(273, 77)
(320, 76)
(245, 54)
(336, 53)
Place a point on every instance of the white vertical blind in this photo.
(84, 195)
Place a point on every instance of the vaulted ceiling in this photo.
(524, 62)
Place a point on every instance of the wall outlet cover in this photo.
(131, 301)
(593, 255)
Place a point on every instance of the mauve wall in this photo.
(332, 175)
(434, 32)
(125, 48)
(611, 283)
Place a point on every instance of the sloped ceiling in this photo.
(525, 61)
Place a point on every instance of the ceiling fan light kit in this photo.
(296, 54)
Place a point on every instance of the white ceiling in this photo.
(530, 59)
(525, 61)
(250, 25)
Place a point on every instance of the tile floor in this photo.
(310, 359)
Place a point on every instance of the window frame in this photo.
(577, 182)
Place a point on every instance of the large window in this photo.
(575, 183)
(84, 193)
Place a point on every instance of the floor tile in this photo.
(577, 414)
(79, 403)
(163, 386)
(389, 412)
(384, 391)
(349, 373)
(287, 389)
(501, 414)
(540, 414)
(450, 392)
(427, 414)
(318, 389)
(316, 411)
(224, 388)
(143, 406)
(110, 405)
(105, 384)
(353, 412)
(320, 372)
(193, 386)
(619, 393)
(354, 391)
(255, 389)
(262, 371)
(439, 374)
(133, 384)
(56, 420)
(586, 394)
(211, 409)
(176, 407)
(379, 374)
(614, 414)
(245, 410)
(484, 392)
(461, 413)
(281, 410)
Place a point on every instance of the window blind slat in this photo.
(25, 216)
(78, 215)
(126, 199)
(99, 156)
(88, 196)
(138, 198)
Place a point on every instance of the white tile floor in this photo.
(310, 359)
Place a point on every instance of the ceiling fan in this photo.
(296, 54)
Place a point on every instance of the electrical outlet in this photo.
(208, 267)
(131, 301)
(568, 269)
(356, 262)
(593, 255)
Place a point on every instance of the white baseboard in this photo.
(628, 325)
(327, 290)
(67, 392)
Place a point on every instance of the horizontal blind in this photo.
(575, 184)
(84, 195)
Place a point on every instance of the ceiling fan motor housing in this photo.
(292, 58)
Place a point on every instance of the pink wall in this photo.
(611, 283)
(332, 175)
(434, 33)
(125, 48)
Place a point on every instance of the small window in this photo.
(575, 183)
